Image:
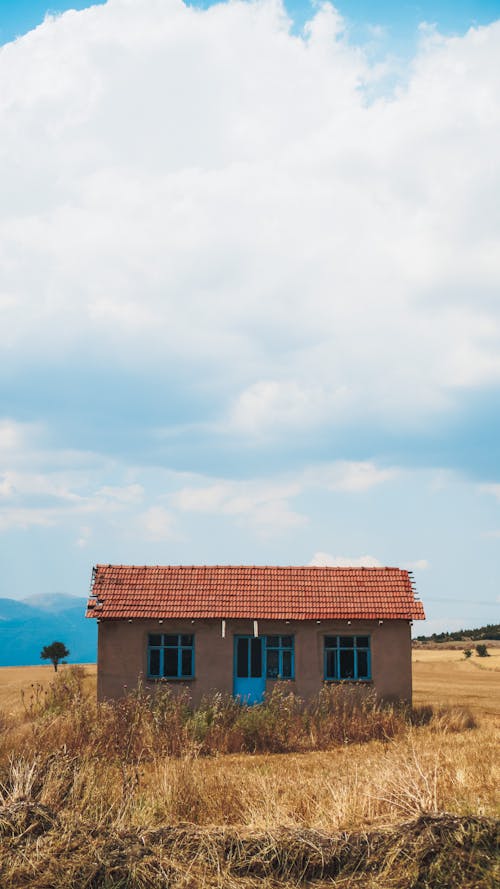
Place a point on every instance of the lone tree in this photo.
(54, 652)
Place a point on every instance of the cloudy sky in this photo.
(249, 291)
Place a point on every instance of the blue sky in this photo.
(249, 291)
(400, 21)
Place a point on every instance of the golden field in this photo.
(446, 677)
(90, 797)
(18, 683)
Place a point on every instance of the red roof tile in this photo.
(129, 591)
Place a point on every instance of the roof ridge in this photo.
(259, 567)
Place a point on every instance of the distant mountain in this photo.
(29, 624)
(54, 602)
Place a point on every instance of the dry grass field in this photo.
(446, 677)
(91, 798)
(18, 684)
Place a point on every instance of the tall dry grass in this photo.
(144, 726)
(146, 790)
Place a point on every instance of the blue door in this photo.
(249, 679)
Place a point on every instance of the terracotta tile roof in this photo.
(128, 591)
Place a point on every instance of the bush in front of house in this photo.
(144, 725)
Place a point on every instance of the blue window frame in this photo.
(170, 656)
(347, 657)
(280, 660)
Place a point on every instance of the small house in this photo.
(240, 629)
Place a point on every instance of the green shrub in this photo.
(482, 650)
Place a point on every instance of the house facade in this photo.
(240, 629)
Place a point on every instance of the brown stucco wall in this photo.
(122, 655)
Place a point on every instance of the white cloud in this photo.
(201, 499)
(121, 493)
(492, 488)
(269, 407)
(312, 253)
(6, 486)
(49, 487)
(84, 538)
(263, 504)
(71, 487)
(9, 435)
(15, 485)
(358, 476)
(157, 524)
(13, 436)
(80, 494)
(23, 518)
(418, 565)
(325, 560)
(268, 503)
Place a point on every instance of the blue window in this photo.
(279, 657)
(170, 656)
(347, 657)
(249, 657)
